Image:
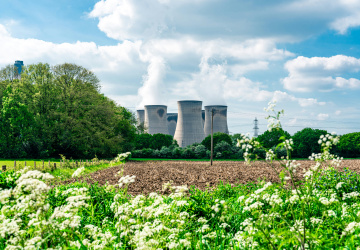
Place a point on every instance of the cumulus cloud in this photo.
(209, 19)
(321, 73)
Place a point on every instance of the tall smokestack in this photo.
(155, 119)
(189, 127)
(140, 114)
(220, 119)
(171, 122)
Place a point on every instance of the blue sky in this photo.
(304, 54)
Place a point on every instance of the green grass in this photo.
(61, 172)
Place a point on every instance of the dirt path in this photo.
(151, 175)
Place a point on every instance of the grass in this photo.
(62, 171)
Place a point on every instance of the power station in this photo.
(171, 123)
(190, 125)
(219, 113)
(155, 119)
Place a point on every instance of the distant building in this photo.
(19, 65)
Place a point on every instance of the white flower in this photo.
(339, 185)
(78, 172)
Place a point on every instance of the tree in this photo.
(69, 114)
(143, 141)
(218, 137)
(9, 73)
(349, 145)
(16, 123)
(160, 140)
(272, 138)
(306, 142)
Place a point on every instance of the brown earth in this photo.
(151, 175)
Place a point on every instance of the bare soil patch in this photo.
(151, 175)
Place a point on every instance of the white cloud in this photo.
(322, 117)
(337, 112)
(321, 73)
(351, 19)
(210, 19)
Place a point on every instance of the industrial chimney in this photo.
(189, 127)
(220, 119)
(171, 122)
(155, 119)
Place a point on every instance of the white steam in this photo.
(151, 93)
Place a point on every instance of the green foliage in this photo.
(217, 137)
(8, 179)
(349, 145)
(16, 124)
(160, 140)
(156, 141)
(200, 151)
(306, 142)
(331, 177)
(272, 138)
(60, 110)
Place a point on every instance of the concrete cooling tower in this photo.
(140, 114)
(189, 127)
(155, 119)
(203, 117)
(220, 119)
(171, 122)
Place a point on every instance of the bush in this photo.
(160, 140)
(218, 137)
(224, 149)
(349, 145)
(188, 153)
(143, 141)
(306, 142)
(147, 152)
(165, 152)
(176, 153)
(200, 151)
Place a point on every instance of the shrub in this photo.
(200, 151)
(224, 149)
(165, 152)
(188, 153)
(218, 137)
(160, 140)
(176, 153)
(143, 141)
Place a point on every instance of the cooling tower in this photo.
(155, 119)
(140, 113)
(189, 127)
(203, 117)
(171, 122)
(220, 119)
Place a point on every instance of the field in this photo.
(229, 205)
(151, 175)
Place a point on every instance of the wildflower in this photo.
(78, 172)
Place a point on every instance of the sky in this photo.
(303, 54)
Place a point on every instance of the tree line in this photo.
(53, 110)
